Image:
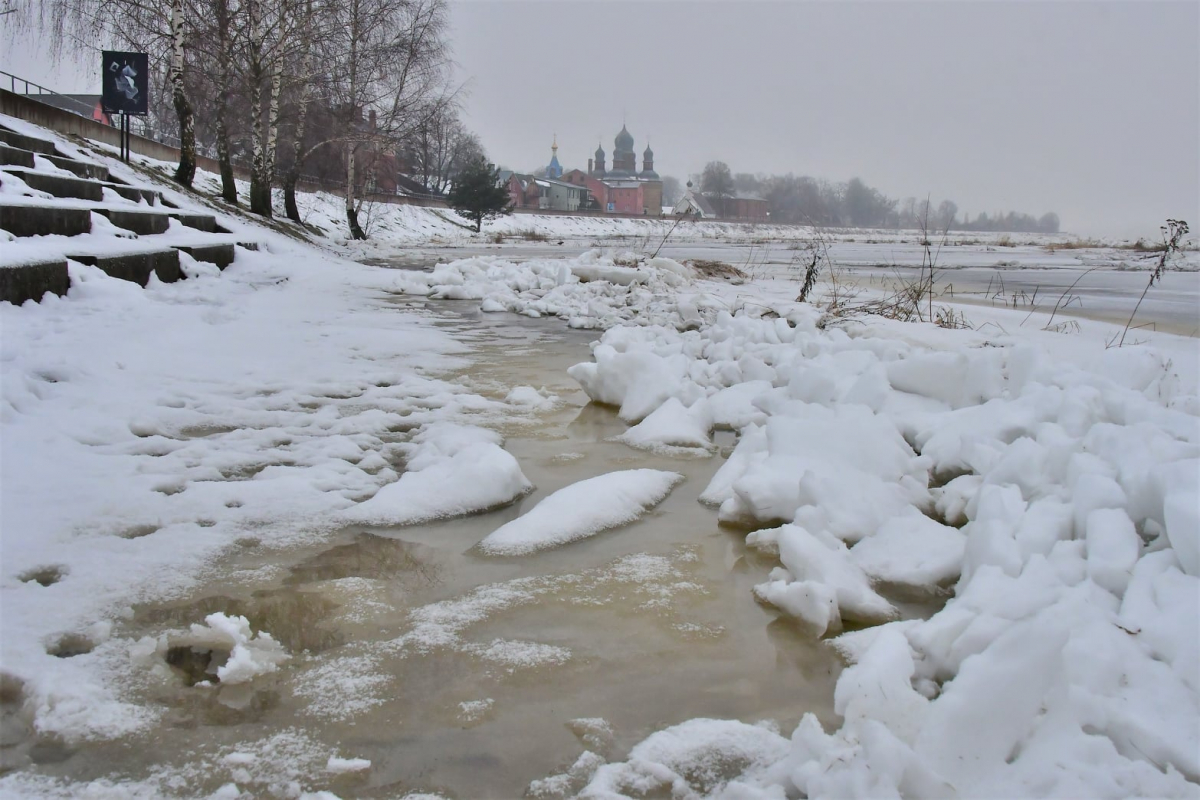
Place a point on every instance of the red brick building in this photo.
(623, 189)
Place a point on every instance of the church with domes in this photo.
(624, 189)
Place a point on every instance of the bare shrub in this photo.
(1172, 235)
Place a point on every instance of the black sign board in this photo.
(126, 88)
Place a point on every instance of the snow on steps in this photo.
(29, 275)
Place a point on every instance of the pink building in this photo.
(623, 189)
(522, 191)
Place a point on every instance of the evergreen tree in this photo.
(477, 194)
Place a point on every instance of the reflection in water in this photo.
(368, 556)
(301, 621)
(595, 423)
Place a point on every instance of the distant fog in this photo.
(1089, 110)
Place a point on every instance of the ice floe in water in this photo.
(454, 470)
(581, 510)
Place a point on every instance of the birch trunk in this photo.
(185, 173)
(356, 230)
(293, 172)
(259, 152)
(257, 128)
(355, 123)
(272, 134)
(228, 184)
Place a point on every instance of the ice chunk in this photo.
(849, 466)
(637, 382)
(911, 549)
(250, 655)
(823, 567)
(751, 448)
(566, 784)
(581, 510)
(1161, 607)
(879, 687)
(696, 758)
(672, 425)
(733, 407)
(621, 276)
(1112, 548)
(1180, 487)
(531, 397)
(815, 603)
(958, 379)
(340, 765)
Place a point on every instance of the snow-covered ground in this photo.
(1047, 483)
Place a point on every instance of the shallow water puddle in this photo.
(465, 674)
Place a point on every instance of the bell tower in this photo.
(554, 170)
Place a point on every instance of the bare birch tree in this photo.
(390, 58)
(440, 147)
(157, 28)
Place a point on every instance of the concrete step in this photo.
(59, 185)
(136, 266)
(219, 254)
(15, 157)
(201, 222)
(24, 220)
(81, 168)
(14, 139)
(22, 282)
(143, 223)
(134, 193)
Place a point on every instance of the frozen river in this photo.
(1102, 284)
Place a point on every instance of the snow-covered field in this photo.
(1044, 484)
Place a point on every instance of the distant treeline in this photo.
(805, 200)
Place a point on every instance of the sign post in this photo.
(125, 89)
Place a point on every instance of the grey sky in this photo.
(1088, 109)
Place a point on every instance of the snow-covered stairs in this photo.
(52, 194)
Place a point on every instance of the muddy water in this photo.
(644, 626)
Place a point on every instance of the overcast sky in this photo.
(1088, 109)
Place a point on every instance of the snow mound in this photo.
(581, 510)
(453, 471)
(697, 758)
